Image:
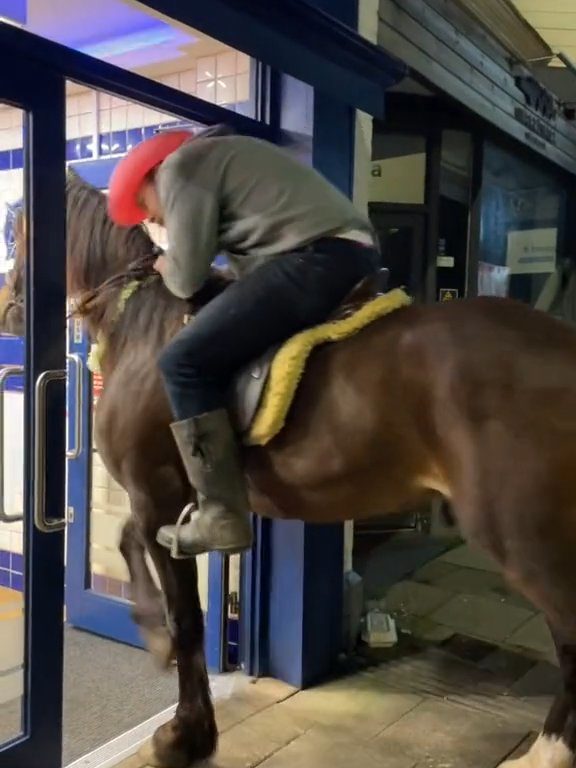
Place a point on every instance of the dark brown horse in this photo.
(475, 400)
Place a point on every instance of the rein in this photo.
(137, 272)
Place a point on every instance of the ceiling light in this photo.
(136, 41)
(12, 22)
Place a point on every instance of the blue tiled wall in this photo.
(111, 143)
(11, 570)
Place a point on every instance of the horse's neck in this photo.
(147, 316)
(146, 312)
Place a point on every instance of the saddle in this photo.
(250, 383)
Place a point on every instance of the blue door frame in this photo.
(41, 94)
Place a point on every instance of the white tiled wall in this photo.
(11, 122)
(11, 533)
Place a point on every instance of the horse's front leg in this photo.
(191, 735)
(149, 610)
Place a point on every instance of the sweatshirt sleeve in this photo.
(191, 216)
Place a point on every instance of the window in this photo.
(398, 169)
(134, 38)
(521, 226)
(454, 213)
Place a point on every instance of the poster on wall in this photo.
(532, 251)
(493, 280)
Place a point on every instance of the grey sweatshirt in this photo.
(246, 198)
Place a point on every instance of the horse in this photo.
(12, 292)
(474, 400)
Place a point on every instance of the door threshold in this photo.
(128, 743)
(125, 745)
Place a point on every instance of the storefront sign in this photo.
(539, 100)
(532, 251)
(535, 125)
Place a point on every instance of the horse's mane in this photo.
(98, 248)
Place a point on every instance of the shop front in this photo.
(473, 175)
(485, 157)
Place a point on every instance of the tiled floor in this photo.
(469, 684)
(11, 660)
(462, 592)
(422, 708)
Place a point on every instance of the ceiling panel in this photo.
(555, 21)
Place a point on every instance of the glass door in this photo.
(98, 598)
(32, 412)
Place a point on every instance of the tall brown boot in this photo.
(221, 520)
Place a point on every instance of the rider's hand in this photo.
(160, 264)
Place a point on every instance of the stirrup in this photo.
(183, 519)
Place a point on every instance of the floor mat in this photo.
(108, 689)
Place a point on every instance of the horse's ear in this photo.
(73, 177)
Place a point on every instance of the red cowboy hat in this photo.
(128, 176)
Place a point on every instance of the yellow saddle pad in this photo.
(289, 363)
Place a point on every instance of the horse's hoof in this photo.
(150, 757)
(161, 645)
(147, 754)
(168, 748)
(546, 752)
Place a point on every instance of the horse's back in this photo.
(501, 351)
(423, 390)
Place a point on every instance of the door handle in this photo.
(75, 450)
(8, 372)
(39, 453)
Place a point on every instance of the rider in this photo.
(298, 247)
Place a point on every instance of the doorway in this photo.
(402, 243)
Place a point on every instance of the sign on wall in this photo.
(448, 294)
(532, 251)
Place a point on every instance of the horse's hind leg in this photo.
(556, 745)
(149, 610)
(530, 529)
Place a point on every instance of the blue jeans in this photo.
(282, 297)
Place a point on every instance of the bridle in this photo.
(138, 271)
